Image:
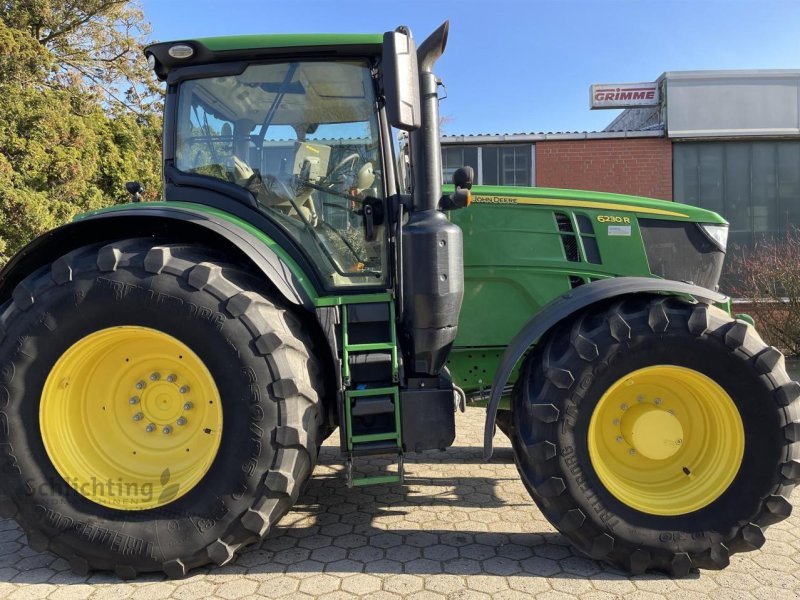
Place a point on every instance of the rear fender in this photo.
(173, 223)
(564, 307)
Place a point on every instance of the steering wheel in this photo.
(338, 170)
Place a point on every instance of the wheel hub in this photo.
(163, 404)
(651, 431)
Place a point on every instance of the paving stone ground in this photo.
(459, 529)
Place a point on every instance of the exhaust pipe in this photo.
(433, 270)
(426, 152)
(432, 48)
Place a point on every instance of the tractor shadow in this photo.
(456, 514)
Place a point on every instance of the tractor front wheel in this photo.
(159, 411)
(658, 434)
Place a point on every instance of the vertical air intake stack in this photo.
(433, 272)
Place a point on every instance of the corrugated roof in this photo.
(488, 138)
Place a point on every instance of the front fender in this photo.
(179, 223)
(562, 308)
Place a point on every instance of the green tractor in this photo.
(169, 370)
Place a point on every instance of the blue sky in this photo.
(521, 66)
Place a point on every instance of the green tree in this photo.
(78, 113)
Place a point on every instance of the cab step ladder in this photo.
(370, 373)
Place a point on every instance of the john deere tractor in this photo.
(168, 370)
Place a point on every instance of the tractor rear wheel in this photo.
(658, 434)
(160, 412)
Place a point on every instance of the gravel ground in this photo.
(459, 529)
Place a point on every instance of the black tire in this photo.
(505, 423)
(258, 355)
(567, 373)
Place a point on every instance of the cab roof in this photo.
(211, 50)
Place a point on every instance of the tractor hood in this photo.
(577, 199)
(561, 239)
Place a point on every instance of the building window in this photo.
(507, 165)
(454, 157)
(754, 185)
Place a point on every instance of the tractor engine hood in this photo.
(591, 235)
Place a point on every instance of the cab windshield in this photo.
(302, 138)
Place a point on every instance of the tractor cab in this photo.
(298, 140)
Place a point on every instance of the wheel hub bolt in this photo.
(172, 378)
(140, 385)
(624, 407)
(150, 428)
(640, 398)
(167, 430)
(134, 400)
(181, 421)
(632, 451)
(155, 376)
(616, 422)
(188, 406)
(184, 389)
(619, 439)
(138, 416)
(657, 401)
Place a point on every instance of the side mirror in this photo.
(401, 80)
(462, 178)
(134, 188)
(461, 198)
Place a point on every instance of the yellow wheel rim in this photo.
(666, 440)
(131, 418)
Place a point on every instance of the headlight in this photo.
(717, 234)
(180, 51)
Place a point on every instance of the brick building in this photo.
(639, 166)
(724, 140)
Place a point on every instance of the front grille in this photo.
(680, 251)
(563, 222)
